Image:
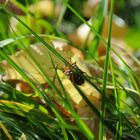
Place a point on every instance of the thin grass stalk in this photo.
(132, 113)
(102, 111)
(130, 94)
(129, 69)
(101, 14)
(119, 130)
(64, 131)
(49, 47)
(135, 84)
(114, 83)
(5, 130)
(84, 21)
(60, 18)
(73, 136)
(119, 123)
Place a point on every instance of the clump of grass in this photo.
(37, 116)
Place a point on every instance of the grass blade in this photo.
(102, 111)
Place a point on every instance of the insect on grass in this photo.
(75, 74)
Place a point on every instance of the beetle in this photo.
(74, 74)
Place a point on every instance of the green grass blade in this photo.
(40, 93)
(98, 24)
(83, 20)
(119, 123)
(49, 47)
(102, 111)
(60, 18)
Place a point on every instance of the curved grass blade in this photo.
(47, 45)
(5, 130)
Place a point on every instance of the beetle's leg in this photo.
(72, 77)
